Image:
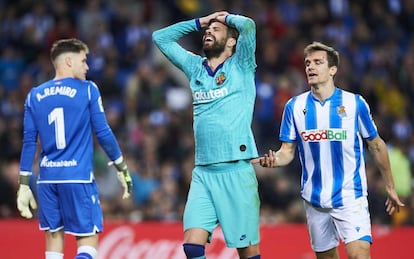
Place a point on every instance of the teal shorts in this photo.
(225, 194)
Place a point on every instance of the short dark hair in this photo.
(67, 45)
(331, 53)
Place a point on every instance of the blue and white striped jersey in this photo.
(64, 113)
(223, 100)
(330, 143)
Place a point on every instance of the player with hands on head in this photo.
(329, 124)
(63, 113)
(224, 187)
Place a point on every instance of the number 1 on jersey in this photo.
(56, 116)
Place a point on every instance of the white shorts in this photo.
(326, 225)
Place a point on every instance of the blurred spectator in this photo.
(36, 24)
(12, 64)
(376, 194)
(90, 15)
(9, 175)
(10, 27)
(134, 41)
(63, 29)
(111, 85)
(401, 172)
(278, 194)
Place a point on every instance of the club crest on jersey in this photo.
(341, 111)
(220, 79)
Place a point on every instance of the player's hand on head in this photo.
(25, 201)
(220, 15)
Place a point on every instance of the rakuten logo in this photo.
(207, 96)
(323, 135)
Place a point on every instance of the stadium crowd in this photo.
(148, 103)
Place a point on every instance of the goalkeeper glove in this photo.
(123, 176)
(25, 198)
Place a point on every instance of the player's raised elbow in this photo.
(249, 24)
(160, 37)
(156, 37)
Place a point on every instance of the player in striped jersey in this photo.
(328, 125)
(224, 186)
(64, 112)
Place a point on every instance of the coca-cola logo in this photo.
(121, 243)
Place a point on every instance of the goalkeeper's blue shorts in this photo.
(225, 194)
(73, 207)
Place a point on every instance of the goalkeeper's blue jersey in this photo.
(64, 113)
(223, 100)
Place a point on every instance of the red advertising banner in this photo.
(149, 240)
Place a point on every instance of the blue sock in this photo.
(254, 257)
(194, 251)
(83, 256)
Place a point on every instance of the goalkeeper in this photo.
(63, 113)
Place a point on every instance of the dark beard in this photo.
(215, 50)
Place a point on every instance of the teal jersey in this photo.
(223, 100)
